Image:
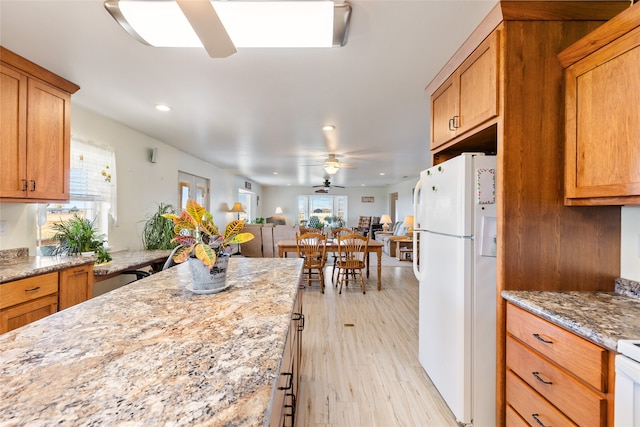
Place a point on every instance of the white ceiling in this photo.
(260, 111)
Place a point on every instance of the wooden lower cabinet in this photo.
(27, 300)
(76, 286)
(283, 413)
(554, 377)
(23, 314)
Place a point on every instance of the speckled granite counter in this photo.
(601, 317)
(22, 265)
(128, 260)
(152, 353)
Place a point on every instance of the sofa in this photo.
(265, 237)
(388, 238)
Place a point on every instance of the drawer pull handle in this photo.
(540, 338)
(36, 289)
(540, 423)
(289, 375)
(539, 378)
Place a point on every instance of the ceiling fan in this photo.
(332, 164)
(324, 188)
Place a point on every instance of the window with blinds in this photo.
(92, 188)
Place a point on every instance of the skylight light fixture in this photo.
(162, 23)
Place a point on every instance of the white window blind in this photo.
(93, 174)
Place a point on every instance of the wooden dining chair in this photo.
(312, 247)
(342, 231)
(353, 251)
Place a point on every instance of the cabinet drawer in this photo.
(532, 407)
(513, 419)
(576, 355)
(25, 313)
(582, 405)
(28, 289)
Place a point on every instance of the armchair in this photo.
(364, 225)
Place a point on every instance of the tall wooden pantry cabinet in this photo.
(542, 244)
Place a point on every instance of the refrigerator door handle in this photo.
(416, 232)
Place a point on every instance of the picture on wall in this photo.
(367, 199)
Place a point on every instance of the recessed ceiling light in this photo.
(328, 127)
(163, 107)
(381, 173)
(275, 173)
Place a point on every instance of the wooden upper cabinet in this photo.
(13, 132)
(602, 118)
(469, 97)
(35, 120)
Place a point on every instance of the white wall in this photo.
(141, 184)
(287, 199)
(405, 197)
(630, 243)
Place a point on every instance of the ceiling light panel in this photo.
(277, 23)
(161, 23)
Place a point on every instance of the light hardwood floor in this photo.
(360, 356)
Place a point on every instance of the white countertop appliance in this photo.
(455, 224)
(627, 393)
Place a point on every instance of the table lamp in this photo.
(408, 224)
(279, 211)
(385, 220)
(237, 207)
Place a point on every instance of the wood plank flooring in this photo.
(360, 356)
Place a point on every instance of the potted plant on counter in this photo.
(76, 236)
(204, 247)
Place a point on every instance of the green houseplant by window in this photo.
(157, 232)
(76, 235)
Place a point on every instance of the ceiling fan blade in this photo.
(207, 25)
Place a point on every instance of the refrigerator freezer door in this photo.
(445, 321)
(418, 215)
(447, 204)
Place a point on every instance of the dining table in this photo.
(290, 245)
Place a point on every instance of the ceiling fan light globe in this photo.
(331, 169)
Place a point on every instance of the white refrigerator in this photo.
(455, 224)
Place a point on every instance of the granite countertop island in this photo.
(601, 317)
(153, 353)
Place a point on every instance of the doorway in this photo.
(393, 201)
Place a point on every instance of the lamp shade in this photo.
(385, 220)
(237, 207)
(408, 221)
(279, 211)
